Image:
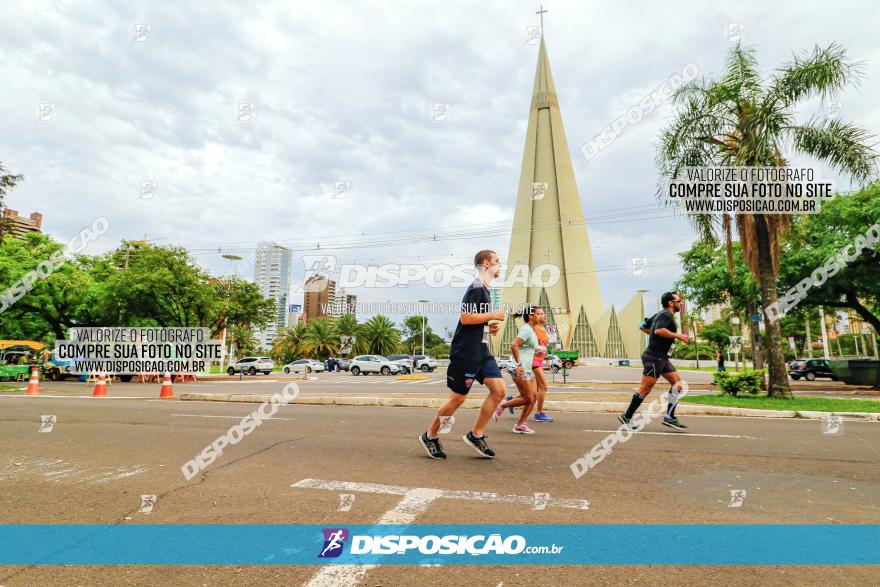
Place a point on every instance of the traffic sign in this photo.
(345, 344)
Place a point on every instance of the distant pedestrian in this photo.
(720, 358)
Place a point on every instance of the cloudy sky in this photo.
(343, 93)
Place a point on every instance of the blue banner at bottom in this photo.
(276, 544)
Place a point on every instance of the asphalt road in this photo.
(102, 455)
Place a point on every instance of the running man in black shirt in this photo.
(662, 333)
(471, 360)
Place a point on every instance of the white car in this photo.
(373, 364)
(504, 361)
(425, 363)
(307, 365)
(252, 366)
(555, 363)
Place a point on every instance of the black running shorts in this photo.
(656, 366)
(461, 374)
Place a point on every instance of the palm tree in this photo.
(244, 340)
(288, 343)
(381, 335)
(737, 120)
(347, 325)
(321, 338)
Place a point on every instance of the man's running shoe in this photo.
(542, 417)
(522, 429)
(510, 397)
(624, 420)
(432, 446)
(673, 423)
(479, 445)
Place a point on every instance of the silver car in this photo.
(305, 365)
(364, 364)
(252, 366)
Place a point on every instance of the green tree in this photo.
(717, 333)
(412, 335)
(7, 181)
(136, 285)
(50, 305)
(381, 336)
(439, 351)
(347, 325)
(817, 237)
(321, 338)
(244, 340)
(735, 120)
(288, 343)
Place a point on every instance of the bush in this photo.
(748, 381)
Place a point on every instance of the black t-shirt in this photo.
(657, 345)
(467, 342)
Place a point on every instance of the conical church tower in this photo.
(548, 226)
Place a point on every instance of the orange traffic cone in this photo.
(166, 392)
(100, 386)
(33, 387)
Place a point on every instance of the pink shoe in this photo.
(522, 429)
(498, 413)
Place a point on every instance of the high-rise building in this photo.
(320, 297)
(713, 312)
(549, 228)
(19, 225)
(294, 314)
(272, 276)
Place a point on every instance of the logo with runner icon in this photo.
(334, 540)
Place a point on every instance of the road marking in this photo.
(678, 434)
(47, 396)
(229, 417)
(579, 504)
(237, 382)
(414, 502)
(435, 382)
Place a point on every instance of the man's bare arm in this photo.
(470, 319)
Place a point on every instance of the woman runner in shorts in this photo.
(523, 349)
(538, 370)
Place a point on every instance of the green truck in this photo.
(568, 358)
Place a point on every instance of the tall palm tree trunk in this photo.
(778, 377)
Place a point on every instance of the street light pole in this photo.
(424, 318)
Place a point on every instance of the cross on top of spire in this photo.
(540, 12)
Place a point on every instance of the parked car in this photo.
(344, 364)
(504, 361)
(810, 369)
(553, 363)
(405, 362)
(424, 363)
(304, 365)
(373, 364)
(252, 365)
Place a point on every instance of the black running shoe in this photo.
(479, 445)
(432, 446)
(673, 423)
(624, 420)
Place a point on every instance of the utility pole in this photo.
(424, 319)
(824, 332)
(809, 339)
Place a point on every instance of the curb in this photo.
(559, 406)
